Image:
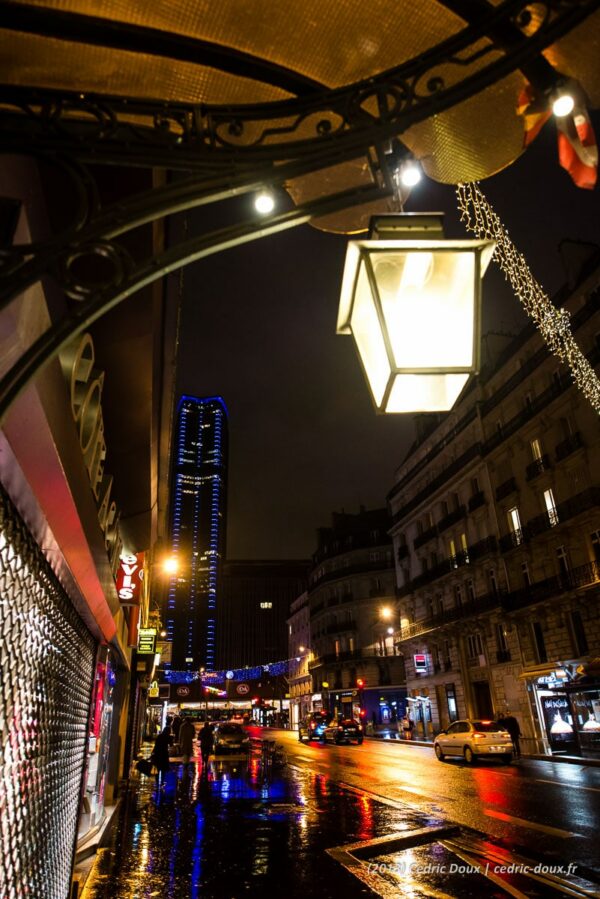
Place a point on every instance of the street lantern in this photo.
(412, 301)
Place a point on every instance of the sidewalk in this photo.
(235, 831)
(392, 737)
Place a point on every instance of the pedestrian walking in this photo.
(206, 745)
(175, 725)
(187, 732)
(511, 724)
(160, 753)
(407, 727)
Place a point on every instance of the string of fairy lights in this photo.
(256, 672)
(479, 218)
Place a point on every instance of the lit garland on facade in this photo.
(236, 674)
(553, 324)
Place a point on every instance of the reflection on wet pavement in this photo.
(230, 832)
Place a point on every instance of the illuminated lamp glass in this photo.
(412, 301)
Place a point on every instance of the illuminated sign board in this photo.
(420, 663)
(147, 641)
(130, 575)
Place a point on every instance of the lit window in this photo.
(266, 605)
(551, 507)
(514, 523)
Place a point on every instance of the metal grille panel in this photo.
(47, 659)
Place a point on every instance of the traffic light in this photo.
(360, 683)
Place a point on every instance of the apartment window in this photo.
(434, 559)
(351, 644)
(536, 450)
(578, 637)
(539, 642)
(424, 565)
(501, 641)
(374, 557)
(492, 582)
(474, 646)
(452, 549)
(471, 589)
(525, 574)
(550, 507)
(447, 650)
(337, 648)
(474, 486)
(562, 556)
(596, 545)
(514, 524)
(465, 547)
(457, 596)
(266, 605)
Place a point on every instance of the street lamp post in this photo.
(411, 300)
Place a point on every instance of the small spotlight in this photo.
(264, 203)
(410, 173)
(563, 105)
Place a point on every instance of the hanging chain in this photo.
(479, 218)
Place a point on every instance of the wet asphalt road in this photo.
(241, 829)
(550, 808)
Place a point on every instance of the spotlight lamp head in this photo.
(264, 202)
(412, 301)
(563, 103)
(410, 173)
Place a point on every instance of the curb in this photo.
(561, 759)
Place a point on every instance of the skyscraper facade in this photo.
(198, 519)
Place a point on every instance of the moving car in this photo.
(312, 727)
(343, 730)
(473, 739)
(230, 737)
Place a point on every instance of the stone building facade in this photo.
(355, 667)
(496, 533)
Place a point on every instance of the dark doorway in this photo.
(483, 699)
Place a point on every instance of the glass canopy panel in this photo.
(425, 393)
(369, 339)
(427, 298)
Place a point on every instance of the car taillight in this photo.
(477, 734)
(340, 727)
(313, 725)
(359, 726)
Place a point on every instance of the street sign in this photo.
(420, 663)
(147, 641)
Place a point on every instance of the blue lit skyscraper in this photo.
(198, 506)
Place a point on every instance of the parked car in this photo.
(230, 737)
(344, 730)
(473, 739)
(312, 726)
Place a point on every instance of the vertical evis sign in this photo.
(130, 575)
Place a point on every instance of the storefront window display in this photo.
(586, 713)
(98, 746)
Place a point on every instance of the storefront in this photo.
(567, 706)
(384, 706)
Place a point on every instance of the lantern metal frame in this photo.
(426, 235)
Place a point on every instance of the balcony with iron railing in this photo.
(506, 488)
(570, 445)
(513, 539)
(349, 655)
(581, 577)
(425, 537)
(485, 603)
(340, 627)
(564, 512)
(452, 518)
(485, 547)
(351, 570)
(537, 467)
(476, 501)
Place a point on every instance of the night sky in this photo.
(258, 328)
